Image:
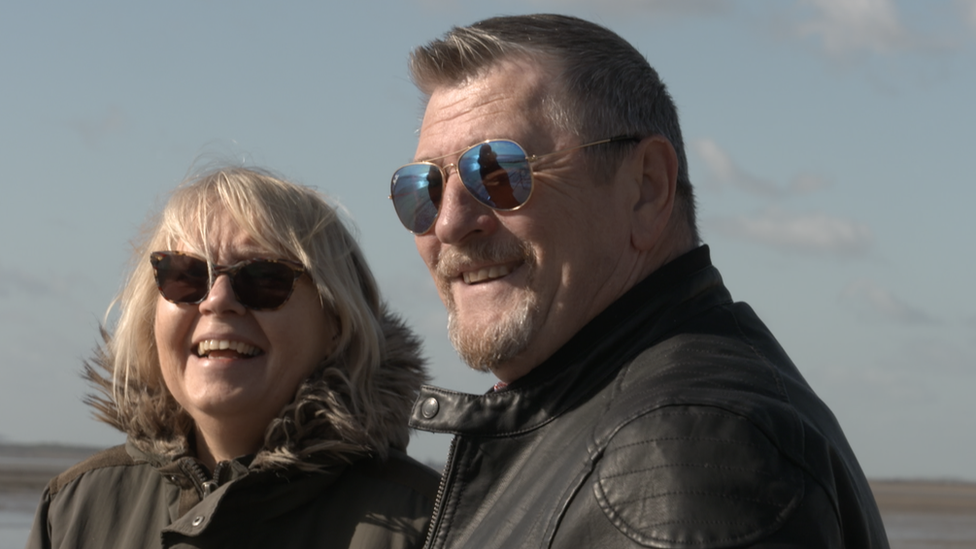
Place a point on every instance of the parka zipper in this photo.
(441, 489)
(201, 478)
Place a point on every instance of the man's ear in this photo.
(656, 165)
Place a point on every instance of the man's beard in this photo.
(485, 348)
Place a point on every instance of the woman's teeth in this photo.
(494, 271)
(205, 347)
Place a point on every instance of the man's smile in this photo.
(487, 273)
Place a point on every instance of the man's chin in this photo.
(486, 347)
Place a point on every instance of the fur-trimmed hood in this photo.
(325, 423)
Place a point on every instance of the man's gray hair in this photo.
(606, 87)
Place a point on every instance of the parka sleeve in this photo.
(40, 534)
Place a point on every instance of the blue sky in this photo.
(830, 142)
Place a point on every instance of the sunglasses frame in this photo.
(529, 159)
(214, 271)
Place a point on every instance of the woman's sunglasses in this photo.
(259, 284)
(496, 172)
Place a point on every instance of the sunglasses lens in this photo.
(497, 174)
(416, 191)
(181, 278)
(264, 284)
(259, 284)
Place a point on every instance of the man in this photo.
(637, 405)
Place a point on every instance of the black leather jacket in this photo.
(673, 419)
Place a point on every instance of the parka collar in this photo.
(396, 382)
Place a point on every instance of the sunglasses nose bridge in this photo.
(465, 184)
(222, 292)
(446, 185)
(446, 170)
(216, 271)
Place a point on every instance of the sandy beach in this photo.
(927, 514)
(918, 514)
(904, 496)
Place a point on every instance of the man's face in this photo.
(519, 284)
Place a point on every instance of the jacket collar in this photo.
(647, 312)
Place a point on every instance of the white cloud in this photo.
(808, 183)
(809, 233)
(718, 162)
(723, 171)
(968, 10)
(870, 299)
(847, 26)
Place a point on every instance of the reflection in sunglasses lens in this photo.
(263, 284)
(417, 190)
(183, 279)
(497, 174)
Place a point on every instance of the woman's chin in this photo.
(226, 388)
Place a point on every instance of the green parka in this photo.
(148, 494)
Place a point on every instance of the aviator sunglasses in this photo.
(497, 173)
(258, 284)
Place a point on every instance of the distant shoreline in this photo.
(29, 467)
(925, 496)
(47, 450)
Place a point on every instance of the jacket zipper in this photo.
(204, 484)
(441, 489)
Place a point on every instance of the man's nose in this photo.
(460, 215)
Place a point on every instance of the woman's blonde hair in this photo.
(342, 414)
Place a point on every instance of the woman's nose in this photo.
(221, 298)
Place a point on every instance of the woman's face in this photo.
(269, 352)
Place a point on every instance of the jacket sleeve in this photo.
(702, 477)
(40, 534)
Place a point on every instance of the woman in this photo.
(262, 386)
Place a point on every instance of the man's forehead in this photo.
(505, 102)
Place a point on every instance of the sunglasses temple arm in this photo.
(613, 139)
